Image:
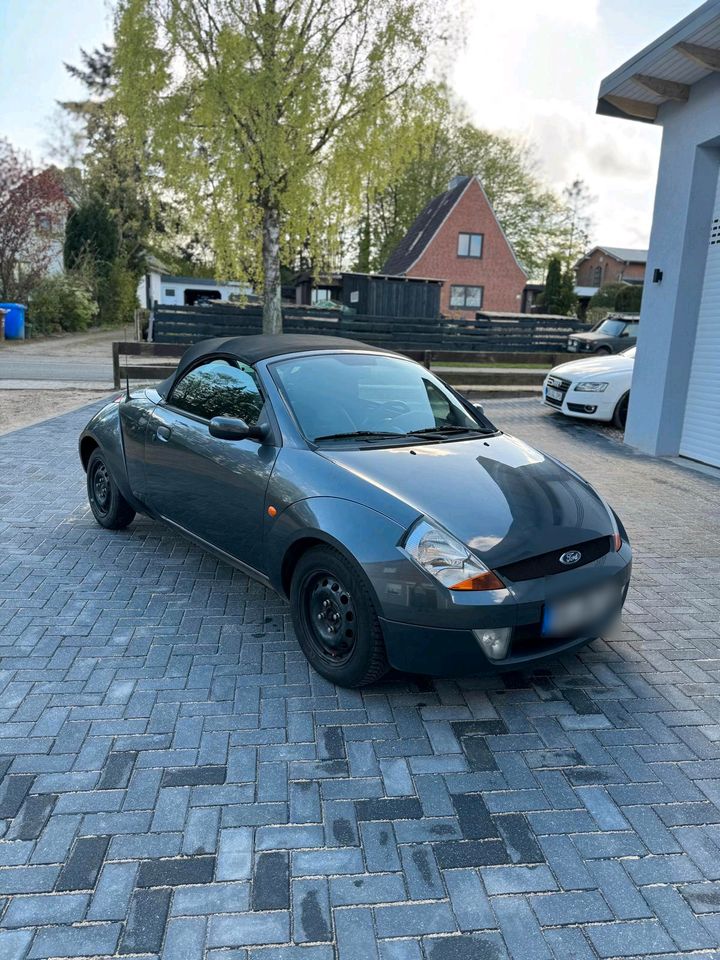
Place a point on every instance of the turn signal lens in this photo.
(618, 541)
(485, 581)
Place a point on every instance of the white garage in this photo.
(675, 83)
(700, 438)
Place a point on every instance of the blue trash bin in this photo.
(14, 320)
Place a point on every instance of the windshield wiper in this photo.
(450, 428)
(360, 435)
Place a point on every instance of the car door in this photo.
(629, 335)
(215, 489)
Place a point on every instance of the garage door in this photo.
(701, 430)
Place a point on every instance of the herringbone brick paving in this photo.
(176, 783)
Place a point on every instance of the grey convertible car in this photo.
(405, 529)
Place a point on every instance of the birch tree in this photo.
(260, 114)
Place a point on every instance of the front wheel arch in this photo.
(619, 417)
(87, 446)
(292, 557)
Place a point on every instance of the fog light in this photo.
(589, 408)
(494, 643)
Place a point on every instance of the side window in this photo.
(631, 330)
(439, 404)
(220, 388)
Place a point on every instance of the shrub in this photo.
(60, 303)
(629, 299)
(117, 295)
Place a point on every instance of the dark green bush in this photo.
(61, 303)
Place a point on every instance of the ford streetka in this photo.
(405, 529)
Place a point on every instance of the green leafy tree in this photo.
(428, 140)
(629, 299)
(91, 234)
(559, 296)
(260, 115)
(552, 294)
(569, 300)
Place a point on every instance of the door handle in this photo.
(163, 433)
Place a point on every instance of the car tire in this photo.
(335, 619)
(620, 413)
(603, 350)
(109, 507)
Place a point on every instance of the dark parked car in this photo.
(611, 335)
(405, 529)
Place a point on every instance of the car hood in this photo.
(590, 335)
(504, 499)
(594, 366)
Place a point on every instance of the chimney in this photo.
(456, 181)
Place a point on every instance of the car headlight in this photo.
(448, 560)
(591, 386)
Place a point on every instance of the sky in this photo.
(527, 67)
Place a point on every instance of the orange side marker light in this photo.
(272, 511)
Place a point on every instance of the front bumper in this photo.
(584, 405)
(445, 650)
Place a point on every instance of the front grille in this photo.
(548, 564)
(558, 384)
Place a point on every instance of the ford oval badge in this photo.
(570, 557)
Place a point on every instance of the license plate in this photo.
(572, 613)
(553, 393)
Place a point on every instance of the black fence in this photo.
(534, 333)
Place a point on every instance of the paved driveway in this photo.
(177, 783)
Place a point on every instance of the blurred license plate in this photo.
(568, 614)
(553, 394)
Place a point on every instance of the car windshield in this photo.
(628, 353)
(365, 397)
(611, 328)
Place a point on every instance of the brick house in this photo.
(603, 265)
(457, 239)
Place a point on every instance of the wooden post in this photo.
(116, 364)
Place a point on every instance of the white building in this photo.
(159, 286)
(675, 83)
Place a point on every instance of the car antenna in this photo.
(127, 378)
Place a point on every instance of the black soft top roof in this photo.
(252, 349)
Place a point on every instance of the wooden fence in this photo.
(150, 371)
(527, 334)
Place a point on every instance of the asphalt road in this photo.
(51, 368)
(78, 359)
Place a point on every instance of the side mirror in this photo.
(233, 428)
(480, 409)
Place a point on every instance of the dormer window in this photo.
(470, 245)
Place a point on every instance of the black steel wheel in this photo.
(621, 410)
(109, 507)
(335, 619)
(603, 350)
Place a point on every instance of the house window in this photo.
(466, 297)
(44, 223)
(597, 277)
(470, 245)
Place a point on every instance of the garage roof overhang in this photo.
(666, 69)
